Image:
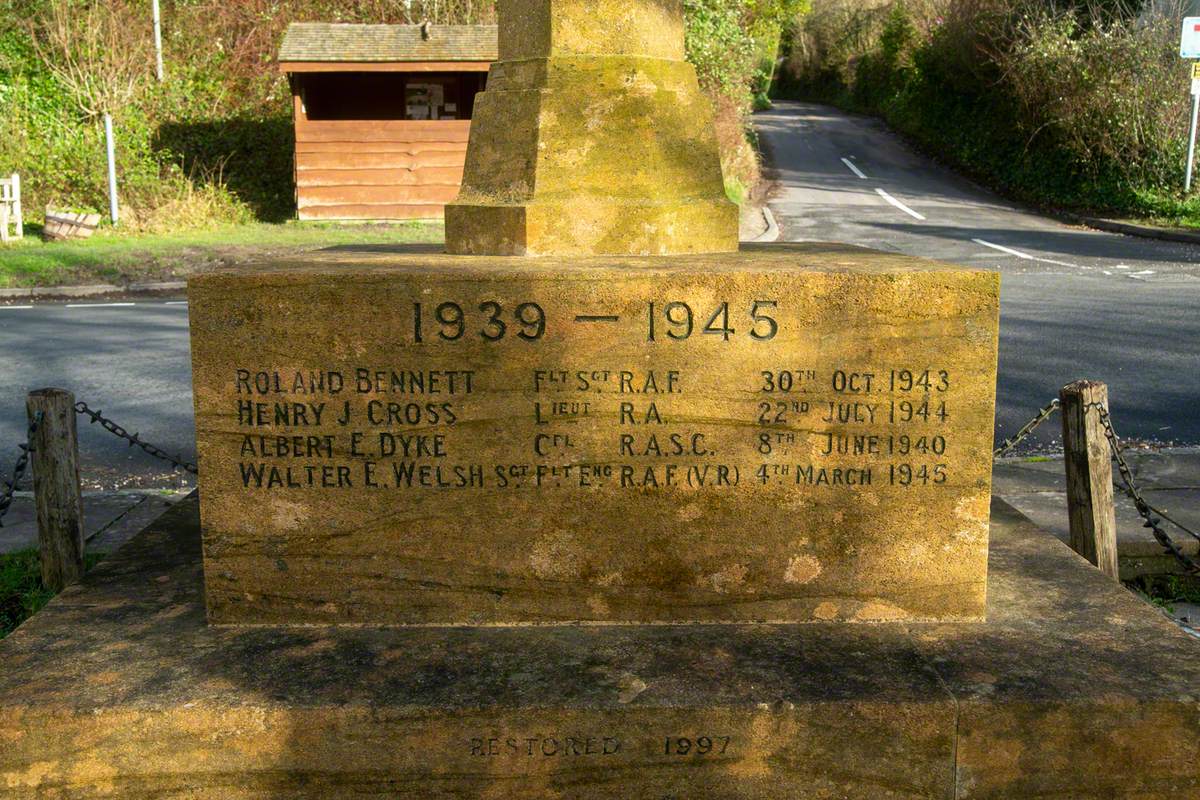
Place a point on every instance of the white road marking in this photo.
(1004, 249)
(13, 308)
(99, 305)
(1058, 263)
(900, 205)
(854, 168)
(1025, 256)
(176, 303)
(1143, 272)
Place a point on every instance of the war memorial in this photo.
(596, 504)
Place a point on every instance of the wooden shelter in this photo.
(382, 115)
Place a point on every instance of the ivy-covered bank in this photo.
(1075, 104)
(212, 144)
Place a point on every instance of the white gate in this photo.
(10, 207)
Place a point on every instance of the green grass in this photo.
(110, 257)
(1165, 591)
(21, 591)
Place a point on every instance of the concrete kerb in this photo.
(1131, 229)
(772, 233)
(92, 290)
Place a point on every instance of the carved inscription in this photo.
(583, 745)
(596, 425)
(547, 747)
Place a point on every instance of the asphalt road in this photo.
(1076, 303)
(130, 361)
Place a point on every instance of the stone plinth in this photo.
(593, 137)
(795, 433)
(1074, 690)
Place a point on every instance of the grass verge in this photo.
(115, 259)
(21, 591)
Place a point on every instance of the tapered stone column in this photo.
(593, 138)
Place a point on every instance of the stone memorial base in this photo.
(1073, 689)
(792, 433)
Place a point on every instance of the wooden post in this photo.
(1088, 457)
(56, 491)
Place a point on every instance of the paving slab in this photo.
(1186, 616)
(1170, 481)
(1073, 688)
(1152, 469)
(110, 518)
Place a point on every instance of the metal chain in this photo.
(1009, 444)
(6, 494)
(133, 438)
(1146, 511)
(1168, 518)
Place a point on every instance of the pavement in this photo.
(1169, 480)
(110, 518)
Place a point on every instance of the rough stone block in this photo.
(797, 433)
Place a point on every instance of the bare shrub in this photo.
(1108, 95)
(833, 36)
(241, 38)
(88, 48)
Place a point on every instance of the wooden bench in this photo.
(10, 207)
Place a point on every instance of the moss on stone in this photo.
(587, 142)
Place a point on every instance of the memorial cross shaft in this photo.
(593, 138)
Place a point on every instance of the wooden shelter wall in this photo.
(377, 169)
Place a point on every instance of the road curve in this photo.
(1075, 302)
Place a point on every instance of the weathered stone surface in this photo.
(553, 28)
(1073, 690)
(592, 138)
(553, 441)
(1071, 669)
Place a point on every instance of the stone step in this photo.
(1073, 688)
